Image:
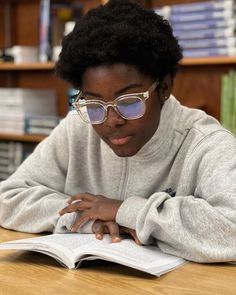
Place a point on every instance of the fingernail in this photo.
(99, 236)
(115, 239)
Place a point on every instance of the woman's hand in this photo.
(100, 228)
(94, 207)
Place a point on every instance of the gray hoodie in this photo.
(179, 190)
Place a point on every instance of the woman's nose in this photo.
(113, 118)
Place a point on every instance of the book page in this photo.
(145, 258)
(66, 248)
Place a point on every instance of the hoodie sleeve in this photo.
(202, 226)
(31, 198)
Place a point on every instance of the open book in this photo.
(71, 249)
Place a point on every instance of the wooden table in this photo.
(32, 273)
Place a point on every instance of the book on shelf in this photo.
(38, 130)
(205, 24)
(176, 14)
(234, 100)
(206, 43)
(202, 6)
(228, 101)
(209, 33)
(211, 51)
(44, 32)
(225, 108)
(53, 18)
(201, 16)
(7, 169)
(23, 54)
(72, 249)
(28, 101)
(42, 121)
(18, 104)
(41, 124)
(201, 25)
(12, 154)
(11, 125)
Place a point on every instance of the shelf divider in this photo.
(188, 61)
(22, 137)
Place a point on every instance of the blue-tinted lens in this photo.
(131, 107)
(96, 112)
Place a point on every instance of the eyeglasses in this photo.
(129, 106)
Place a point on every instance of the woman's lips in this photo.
(120, 140)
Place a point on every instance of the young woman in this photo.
(133, 159)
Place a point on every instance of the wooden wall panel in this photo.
(90, 4)
(2, 27)
(25, 23)
(200, 86)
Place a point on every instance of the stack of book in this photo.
(203, 28)
(11, 156)
(228, 101)
(24, 108)
(23, 54)
(41, 124)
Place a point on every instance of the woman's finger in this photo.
(87, 197)
(82, 219)
(98, 229)
(114, 231)
(133, 234)
(135, 237)
(76, 206)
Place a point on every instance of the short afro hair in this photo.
(119, 32)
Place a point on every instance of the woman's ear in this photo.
(165, 88)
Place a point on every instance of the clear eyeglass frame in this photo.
(80, 103)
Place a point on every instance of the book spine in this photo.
(212, 42)
(11, 156)
(224, 14)
(201, 6)
(204, 25)
(38, 130)
(201, 34)
(231, 99)
(42, 122)
(44, 31)
(225, 108)
(5, 161)
(234, 100)
(204, 52)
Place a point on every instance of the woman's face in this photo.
(107, 82)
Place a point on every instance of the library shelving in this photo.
(36, 138)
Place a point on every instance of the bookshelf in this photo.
(11, 66)
(24, 138)
(197, 84)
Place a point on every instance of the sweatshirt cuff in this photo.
(66, 221)
(128, 212)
